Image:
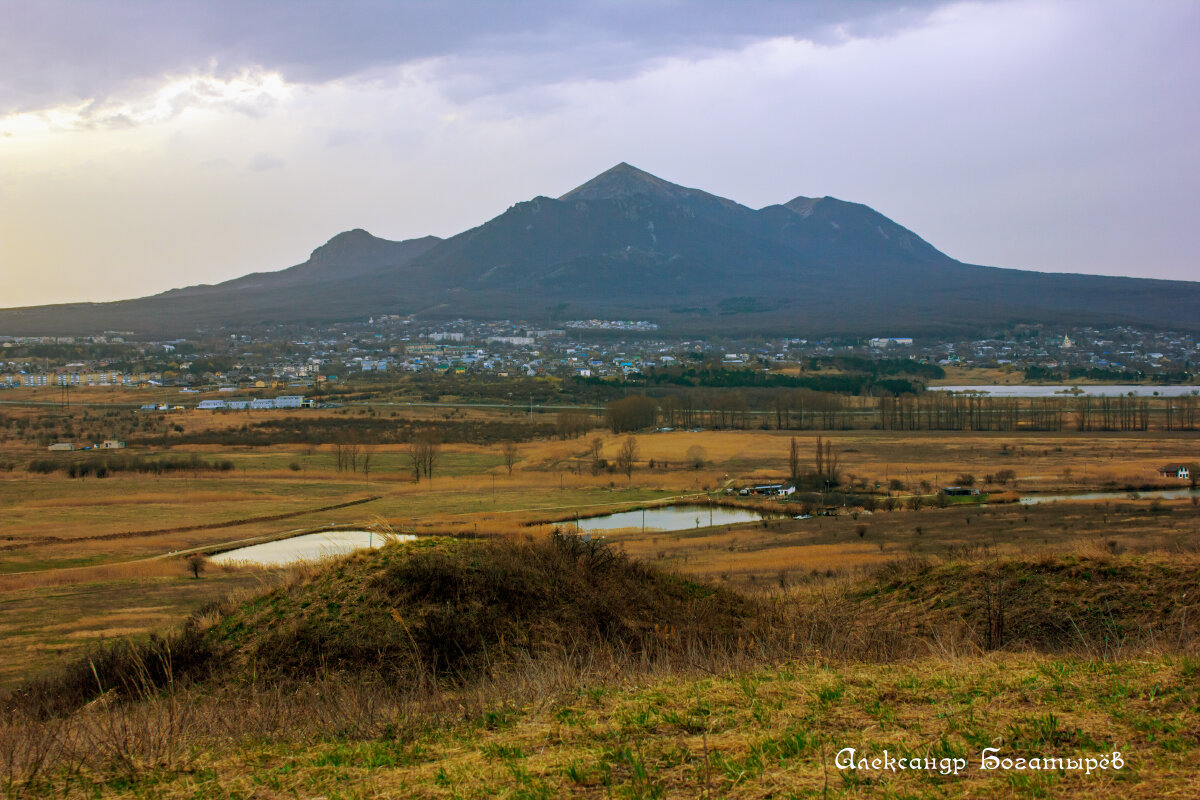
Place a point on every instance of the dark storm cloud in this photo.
(60, 51)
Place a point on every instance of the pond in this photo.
(670, 518)
(1166, 494)
(1093, 390)
(309, 547)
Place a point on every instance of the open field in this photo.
(45, 514)
(85, 560)
(63, 530)
(40, 623)
(788, 551)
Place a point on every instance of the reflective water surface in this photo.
(309, 547)
(670, 518)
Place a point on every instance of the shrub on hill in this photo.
(456, 608)
(434, 611)
(439, 613)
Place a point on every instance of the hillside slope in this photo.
(565, 670)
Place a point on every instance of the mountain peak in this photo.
(802, 205)
(347, 244)
(626, 180)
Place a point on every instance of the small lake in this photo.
(1166, 494)
(1095, 390)
(309, 547)
(670, 518)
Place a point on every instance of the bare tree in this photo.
(833, 471)
(433, 452)
(671, 407)
(826, 462)
(627, 456)
(794, 458)
(695, 456)
(509, 451)
(631, 413)
(423, 453)
(572, 423)
(367, 454)
(597, 446)
(416, 458)
(196, 564)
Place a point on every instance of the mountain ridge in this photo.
(628, 244)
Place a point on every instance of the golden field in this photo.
(89, 560)
(61, 537)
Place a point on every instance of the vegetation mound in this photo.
(446, 608)
(1090, 603)
(428, 612)
(442, 612)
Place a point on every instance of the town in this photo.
(275, 359)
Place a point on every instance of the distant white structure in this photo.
(257, 403)
(892, 341)
(112, 444)
(63, 446)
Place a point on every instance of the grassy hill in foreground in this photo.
(558, 668)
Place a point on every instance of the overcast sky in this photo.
(151, 145)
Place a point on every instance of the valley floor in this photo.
(85, 561)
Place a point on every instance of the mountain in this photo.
(322, 289)
(629, 245)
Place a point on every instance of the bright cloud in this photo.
(250, 92)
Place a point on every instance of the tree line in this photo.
(803, 409)
(102, 466)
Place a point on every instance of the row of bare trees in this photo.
(624, 461)
(1112, 413)
(826, 471)
(348, 456)
(942, 411)
(793, 409)
(805, 409)
(424, 452)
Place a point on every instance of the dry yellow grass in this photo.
(552, 480)
(124, 571)
(141, 498)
